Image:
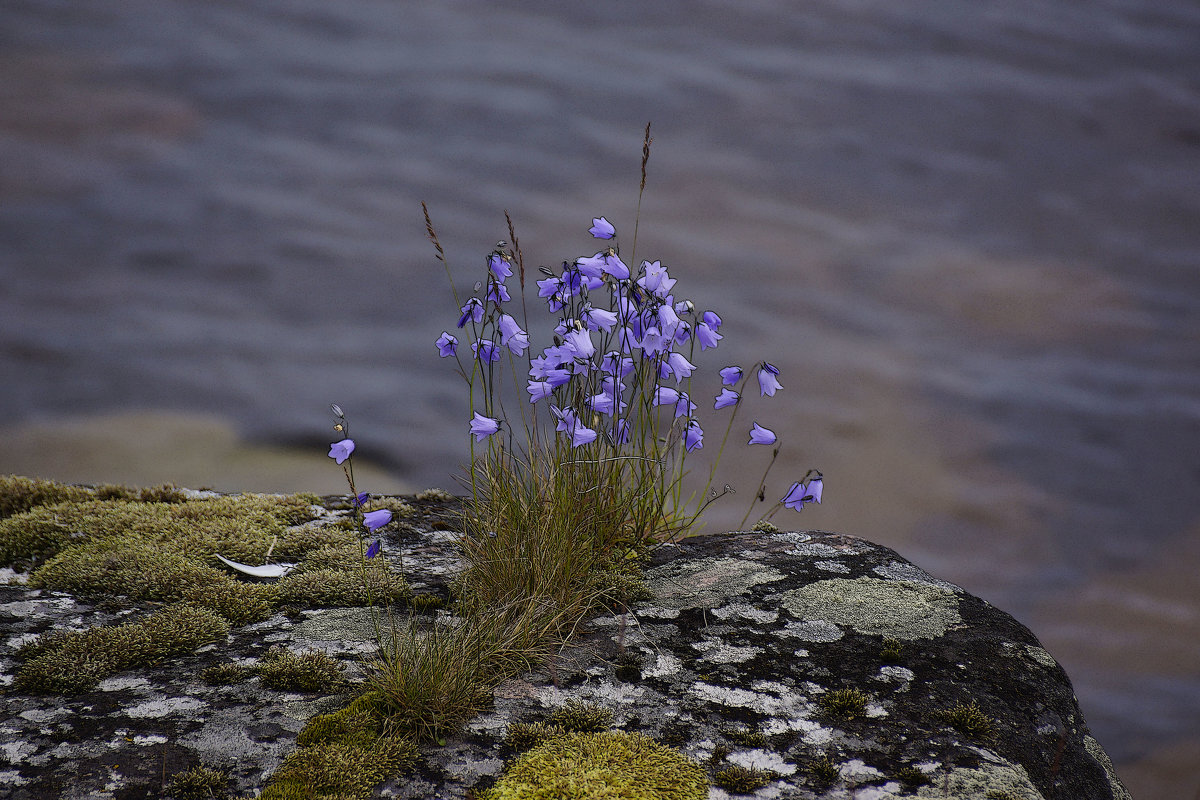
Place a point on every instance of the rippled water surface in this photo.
(968, 234)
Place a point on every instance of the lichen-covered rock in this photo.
(776, 664)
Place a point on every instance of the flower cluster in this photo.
(341, 452)
(617, 376)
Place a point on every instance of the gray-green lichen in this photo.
(706, 582)
(902, 609)
(993, 775)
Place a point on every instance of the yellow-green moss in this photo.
(198, 783)
(612, 765)
(77, 662)
(823, 772)
(289, 671)
(580, 716)
(969, 720)
(525, 735)
(743, 780)
(844, 703)
(225, 674)
(338, 770)
(746, 738)
(331, 588)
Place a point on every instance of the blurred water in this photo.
(967, 235)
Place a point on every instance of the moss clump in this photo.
(77, 662)
(763, 526)
(198, 783)
(612, 765)
(823, 772)
(890, 652)
(438, 495)
(425, 601)
(339, 770)
(912, 777)
(844, 703)
(147, 571)
(581, 716)
(526, 735)
(226, 674)
(288, 671)
(969, 720)
(743, 780)
(746, 738)
(619, 587)
(332, 588)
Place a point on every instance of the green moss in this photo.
(225, 674)
(333, 588)
(844, 703)
(341, 770)
(425, 601)
(77, 662)
(823, 772)
(437, 495)
(288, 671)
(969, 720)
(890, 652)
(345, 726)
(198, 783)
(911, 776)
(526, 735)
(610, 765)
(743, 780)
(746, 738)
(619, 587)
(581, 716)
(763, 526)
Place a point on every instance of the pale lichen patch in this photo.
(994, 775)
(706, 582)
(759, 758)
(718, 652)
(902, 609)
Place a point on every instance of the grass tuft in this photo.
(844, 703)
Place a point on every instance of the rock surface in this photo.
(832, 663)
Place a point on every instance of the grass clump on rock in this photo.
(613, 765)
(78, 661)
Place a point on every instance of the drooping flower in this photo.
(486, 350)
(731, 375)
(768, 383)
(340, 451)
(712, 320)
(684, 406)
(471, 310)
(761, 435)
(499, 266)
(373, 549)
(679, 366)
(693, 436)
(665, 396)
(597, 319)
(497, 293)
(707, 336)
(613, 265)
(800, 494)
(447, 345)
(511, 335)
(580, 342)
(581, 435)
(602, 228)
(727, 397)
(483, 427)
(361, 499)
(539, 390)
(656, 281)
(374, 520)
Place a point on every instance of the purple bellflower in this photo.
(373, 549)
(693, 436)
(497, 293)
(712, 320)
(602, 228)
(361, 500)
(499, 266)
(761, 435)
(447, 345)
(483, 427)
(471, 310)
(768, 382)
(539, 390)
(486, 350)
(340, 451)
(800, 494)
(731, 375)
(727, 397)
(374, 520)
(707, 335)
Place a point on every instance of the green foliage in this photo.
(76, 662)
(525, 735)
(746, 738)
(844, 703)
(425, 601)
(743, 780)
(823, 772)
(969, 720)
(911, 776)
(581, 716)
(226, 674)
(329, 588)
(764, 526)
(610, 765)
(339, 770)
(198, 783)
(288, 671)
(890, 652)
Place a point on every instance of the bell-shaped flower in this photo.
(679, 366)
(539, 390)
(499, 266)
(683, 333)
(668, 320)
(486, 350)
(656, 281)
(815, 486)
(712, 320)
(598, 319)
(614, 266)
(483, 427)
(591, 266)
(617, 365)
(731, 375)
(800, 494)
(471, 310)
(602, 228)
(768, 382)
(618, 434)
(684, 406)
(581, 343)
(693, 436)
(707, 336)
(447, 345)
(665, 396)
(340, 451)
(511, 335)
(361, 499)
(373, 549)
(566, 418)
(727, 397)
(374, 520)
(497, 293)
(653, 342)
(761, 435)
(581, 435)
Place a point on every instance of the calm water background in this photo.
(968, 234)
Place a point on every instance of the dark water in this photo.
(968, 234)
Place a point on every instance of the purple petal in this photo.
(373, 550)
(447, 345)
(483, 427)
(726, 398)
(761, 435)
(374, 520)
(340, 451)
(693, 437)
(768, 384)
(731, 375)
(602, 228)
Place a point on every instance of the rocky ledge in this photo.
(779, 664)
